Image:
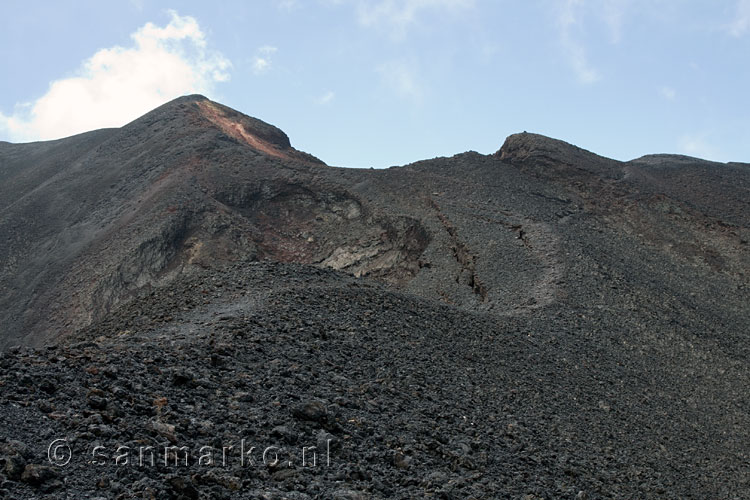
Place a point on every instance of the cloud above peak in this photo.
(741, 23)
(400, 77)
(396, 16)
(569, 23)
(119, 84)
(262, 59)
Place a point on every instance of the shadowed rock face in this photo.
(95, 218)
(542, 321)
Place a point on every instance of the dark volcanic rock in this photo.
(227, 317)
(536, 153)
(38, 475)
(310, 410)
(421, 400)
(14, 465)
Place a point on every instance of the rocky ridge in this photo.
(538, 323)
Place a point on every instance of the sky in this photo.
(375, 83)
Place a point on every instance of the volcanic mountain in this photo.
(541, 322)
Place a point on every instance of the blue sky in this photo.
(386, 82)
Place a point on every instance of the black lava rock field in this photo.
(195, 309)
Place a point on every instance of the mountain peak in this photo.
(196, 110)
(253, 132)
(552, 157)
(520, 148)
(244, 128)
(671, 160)
(189, 98)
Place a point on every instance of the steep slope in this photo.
(545, 320)
(103, 215)
(401, 397)
(95, 218)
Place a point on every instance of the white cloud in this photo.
(697, 145)
(288, 5)
(578, 59)
(262, 60)
(668, 93)
(401, 78)
(613, 12)
(396, 16)
(118, 84)
(741, 23)
(569, 19)
(326, 98)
